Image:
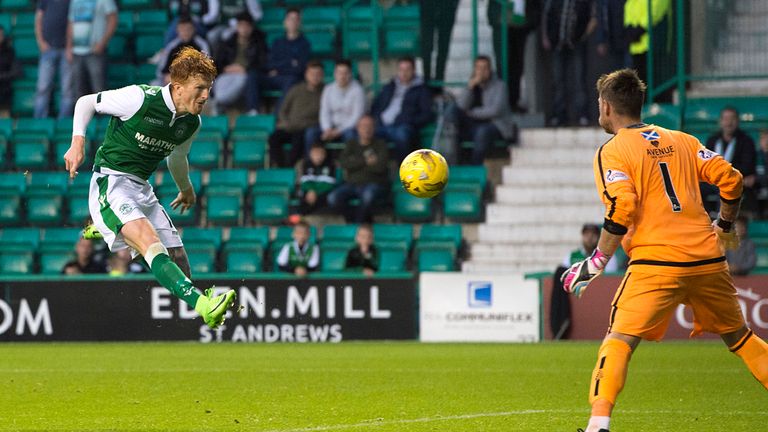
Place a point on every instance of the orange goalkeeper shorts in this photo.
(645, 302)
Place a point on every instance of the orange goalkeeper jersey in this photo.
(648, 178)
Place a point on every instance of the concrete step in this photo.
(535, 176)
(473, 266)
(751, 7)
(532, 232)
(535, 156)
(530, 253)
(743, 42)
(563, 139)
(507, 194)
(754, 21)
(555, 214)
(741, 62)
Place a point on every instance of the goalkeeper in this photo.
(148, 124)
(648, 177)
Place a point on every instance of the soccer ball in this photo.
(424, 173)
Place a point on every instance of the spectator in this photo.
(239, 58)
(91, 25)
(204, 14)
(636, 29)
(341, 106)
(299, 112)
(518, 28)
(84, 261)
(363, 256)
(741, 261)
(187, 37)
(317, 177)
(51, 35)
(299, 256)
(482, 114)
(566, 25)
(612, 39)
(437, 18)
(739, 149)
(364, 161)
(10, 69)
(228, 12)
(121, 263)
(590, 234)
(402, 108)
(288, 57)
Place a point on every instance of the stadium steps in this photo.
(459, 65)
(547, 193)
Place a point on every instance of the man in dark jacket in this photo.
(239, 58)
(739, 149)
(402, 108)
(612, 39)
(364, 161)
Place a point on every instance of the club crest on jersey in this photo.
(650, 135)
(180, 131)
(705, 154)
(615, 175)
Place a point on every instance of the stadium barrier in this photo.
(590, 314)
(461, 307)
(273, 310)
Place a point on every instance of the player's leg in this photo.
(716, 310)
(179, 256)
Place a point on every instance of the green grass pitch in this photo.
(393, 387)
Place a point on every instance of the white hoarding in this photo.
(461, 307)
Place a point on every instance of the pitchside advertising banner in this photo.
(590, 313)
(460, 307)
(279, 310)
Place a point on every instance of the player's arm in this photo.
(178, 165)
(123, 103)
(715, 170)
(617, 191)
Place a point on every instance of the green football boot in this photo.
(212, 309)
(90, 232)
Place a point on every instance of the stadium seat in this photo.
(269, 204)
(63, 128)
(60, 237)
(223, 204)
(124, 22)
(77, 206)
(249, 236)
(664, 115)
(435, 257)
(205, 154)
(339, 234)
(15, 5)
(392, 258)
(10, 208)
(358, 42)
(333, 258)
(470, 174)
(282, 177)
(393, 234)
(205, 236)
(202, 258)
(272, 20)
(45, 127)
(323, 18)
(145, 72)
(229, 177)
(6, 128)
(264, 123)
(26, 49)
(147, 45)
(762, 258)
(56, 181)
(137, 4)
(243, 258)
(119, 75)
(166, 194)
(31, 155)
(150, 21)
(323, 42)
(23, 101)
(409, 208)
(443, 234)
(44, 207)
(248, 152)
(19, 238)
(463, 202)
(117, 51)
(218, 125)
(16, 262)
(52, 260)
(5, 22)
(400, 41)
(15, 182)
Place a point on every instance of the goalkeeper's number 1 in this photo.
(669, 187)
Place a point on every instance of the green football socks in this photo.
(170, 276)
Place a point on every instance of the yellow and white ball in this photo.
(424, 173)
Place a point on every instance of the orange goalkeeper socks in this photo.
(754, 352)
(609, 376)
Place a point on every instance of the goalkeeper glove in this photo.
(724, 230)
(578, 277)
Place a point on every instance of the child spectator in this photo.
(364, 255)
(84, 261)
(299, 256)
(317, 177)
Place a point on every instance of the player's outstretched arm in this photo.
(84, 110)
(178, 165)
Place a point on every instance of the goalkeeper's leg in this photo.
(608, 377)
(752, 350)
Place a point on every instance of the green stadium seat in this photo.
(31, 155)
(205, 154)
(248, 152)
(26, 49)
(202, 259)
(758, 229)
(136, 4)
(35, 127)
(249, 236)
(272, 19)
(333, 259)
(223, 204)
(19, 238)
(6, 128)
(358, 42)
(446, 234)
(409, 208)
(205, 236)
(116, 51)
(392, 258)
(44, 207)
(60, 237)
(269, 204)
(320, 18)
(664, 115)
(150, 21)
(342, 234)
(323, 42)
(16, 262)
(166, 194)
(402, 14)
(52, 261)
(15, 182)
(283, 177)
(393, 234)
(124, 22)
(762, 258)
(55, 181)
(229, 177)
(262, 123)
(215, 124)
(147, 45)
(63, 128)
(23, 101)
(10, 208)
(400, 41)
(5, 22)
(469, 174)
(119, 75)
(77, 206)
(435, 257)
(16, 5)
(145, 73)
(195, 176)
(60, 147)
(463, 202)
(242, 258)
